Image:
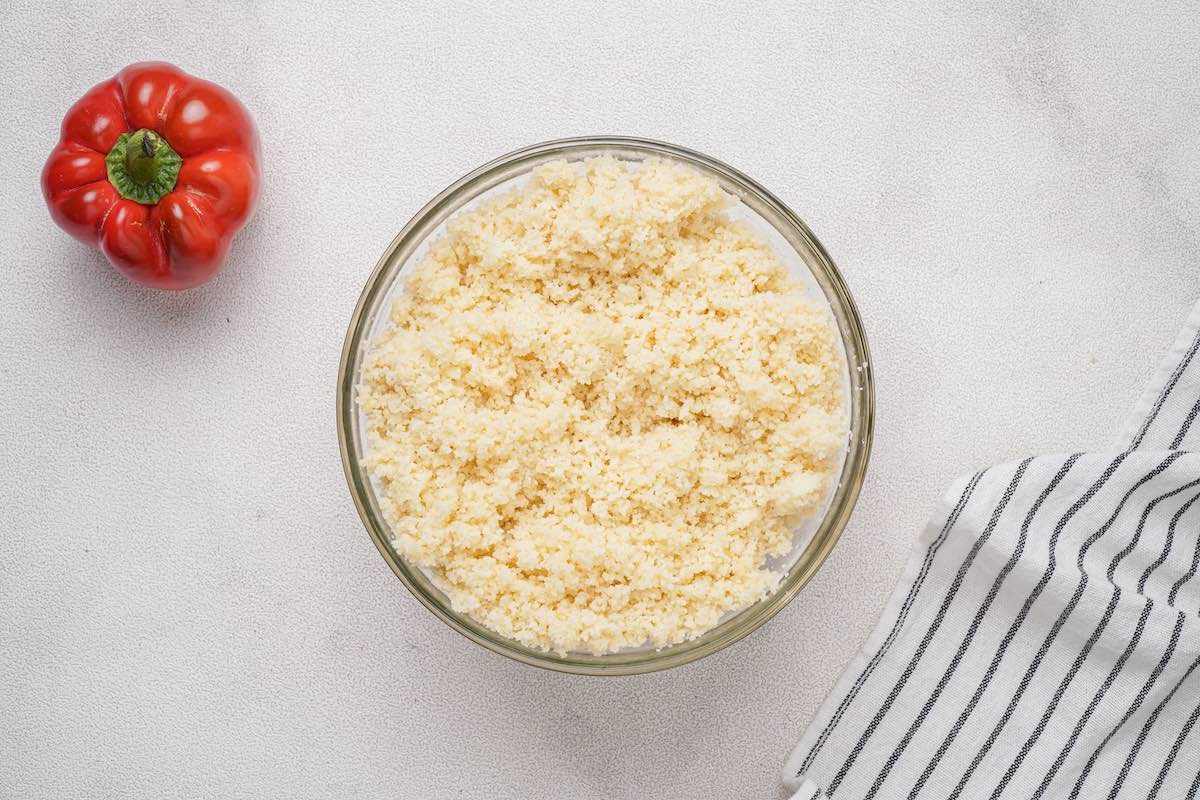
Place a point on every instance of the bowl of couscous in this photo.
(605, 405)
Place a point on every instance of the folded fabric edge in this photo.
(807, 790)
(1175, 360)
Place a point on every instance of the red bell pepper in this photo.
(157, 169)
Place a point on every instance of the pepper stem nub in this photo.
(142, 166)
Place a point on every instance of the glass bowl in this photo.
(800, 252)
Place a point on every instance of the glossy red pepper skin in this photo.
(182, 240)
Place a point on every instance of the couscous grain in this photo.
(600, 406)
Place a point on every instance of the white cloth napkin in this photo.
(1044, 640)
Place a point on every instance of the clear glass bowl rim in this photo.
(773, 211)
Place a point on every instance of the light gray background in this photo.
(189, 606)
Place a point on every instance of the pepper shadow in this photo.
(79, 271)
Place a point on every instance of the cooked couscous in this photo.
(600, 406)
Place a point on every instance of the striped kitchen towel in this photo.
(1044, 640)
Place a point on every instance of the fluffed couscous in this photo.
(600, 406)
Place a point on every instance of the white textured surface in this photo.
(188, 604)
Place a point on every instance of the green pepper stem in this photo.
(142, 166)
